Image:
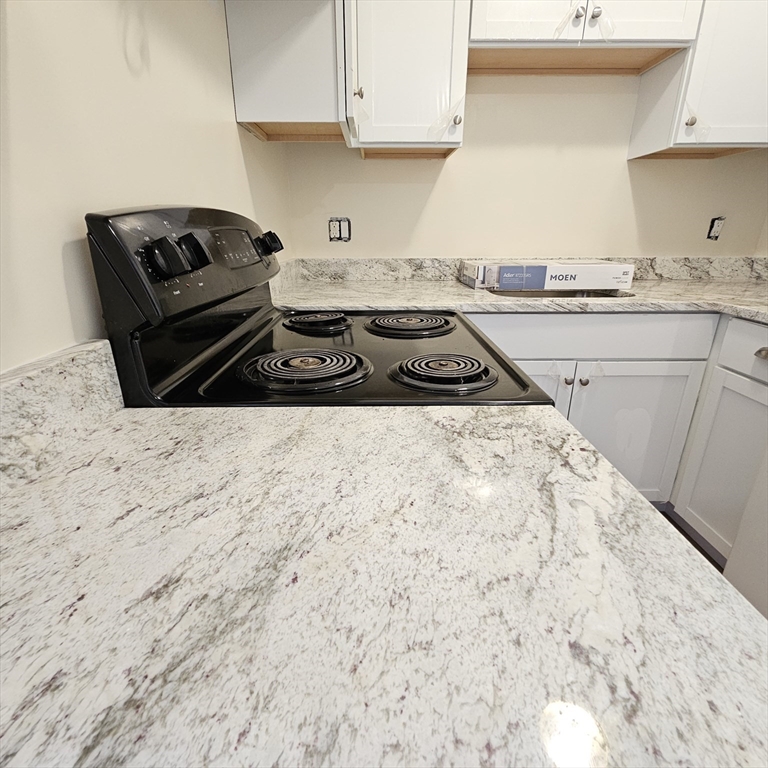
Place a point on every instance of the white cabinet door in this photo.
(727, 451)
(555, 377)
(728, 84)
(747, 566)
(283, 58)
(629, 20)
(408, 64)
(637, 415)
(527, 20)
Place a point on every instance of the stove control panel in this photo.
(239, 249)
(175, 260)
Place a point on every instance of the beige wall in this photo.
(543, 172)
(104, 105)
(762, 243)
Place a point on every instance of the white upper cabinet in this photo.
(652, 20)
(386, 76)
(713, 99)
(728, 85)
(285, 76)
(406, 71)
(543, 20)
(585, 20)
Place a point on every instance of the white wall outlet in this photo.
(715, 228)
(339, 229)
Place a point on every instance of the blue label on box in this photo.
(516, 278)
(535, 277)
(512, 278)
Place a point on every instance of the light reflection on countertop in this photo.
(572, 737)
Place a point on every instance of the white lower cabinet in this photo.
(727, 451)
(747, 566)
(627, 381)
(635, 413)
(555, 377)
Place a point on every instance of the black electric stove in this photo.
(186, 301)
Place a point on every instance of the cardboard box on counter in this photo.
(548, 275)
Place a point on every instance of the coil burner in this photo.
(300, 371)
(446, 374)
(319, 323)
(410, 326)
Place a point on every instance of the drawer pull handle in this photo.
(568, 381)
(762, 353)
(583, 382)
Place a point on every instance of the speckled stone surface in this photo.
(51, 405)
(747, 299)
(410, 586)
(431, 269)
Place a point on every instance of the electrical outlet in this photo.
(339, 229)
(715, 228)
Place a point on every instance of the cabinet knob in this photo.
(457, 120)
(583, 382)
(597, 12)
(691, 121)
(762, 353)
(580, 11)
(568, 381)
(359, 92)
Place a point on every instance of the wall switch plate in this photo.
(339, 229)
(715, 228)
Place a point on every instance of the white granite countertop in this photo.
(468, 586)
(747, 299)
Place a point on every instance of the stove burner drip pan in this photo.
(319, 323)
(446, 374)
(302, 371)
(410, 326)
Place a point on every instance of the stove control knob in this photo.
(165, 258)
(196, 253)
(267, 244)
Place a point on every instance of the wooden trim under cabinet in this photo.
(552, 60)
(695, 152)
(406, 153)
(312, 132)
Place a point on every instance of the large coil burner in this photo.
(319, 323)
(410, 326)
(299, 371)
(446, 374)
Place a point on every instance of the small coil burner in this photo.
(410, 326)
(447, 374)
(319, 323)
(299, 371)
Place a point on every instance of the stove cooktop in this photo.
(358, 367)
(185, 295)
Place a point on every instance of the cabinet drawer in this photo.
(742, 340)
(593, 336)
